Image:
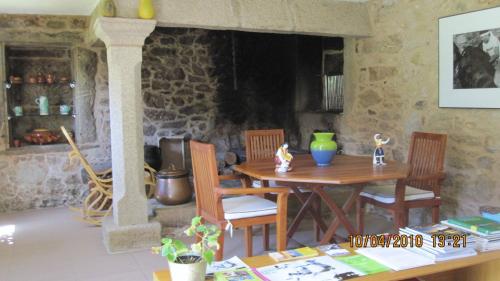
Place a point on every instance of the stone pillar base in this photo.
(174, 216)
(119, 239)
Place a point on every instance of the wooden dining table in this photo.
(345, 170)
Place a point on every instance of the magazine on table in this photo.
(363, 264)
(396, 258)
(225, 265)
(293, 254)
(240, 274)
(323, 268)
(333, 250)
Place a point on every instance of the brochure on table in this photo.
(323, 268)
(396, 258)
(226, 265)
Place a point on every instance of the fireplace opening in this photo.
(213, 85)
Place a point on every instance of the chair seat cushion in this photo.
(386, 193)
(247, 206)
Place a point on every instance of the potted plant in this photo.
(190, 263)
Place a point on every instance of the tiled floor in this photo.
(48, 245)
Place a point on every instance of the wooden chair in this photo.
(97, 204)
(262, 144)
(421, 188)
(240, 211)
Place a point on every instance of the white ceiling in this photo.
(48, 7)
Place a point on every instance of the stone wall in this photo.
(393, 88)
(43, 176)
(179, 82)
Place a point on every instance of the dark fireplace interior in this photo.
(213, 85)
(274, 78)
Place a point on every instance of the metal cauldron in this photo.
(172, 186)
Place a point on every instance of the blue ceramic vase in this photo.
(323, 148)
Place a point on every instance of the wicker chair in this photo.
(98, 203)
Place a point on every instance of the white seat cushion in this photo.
(257, 183)
(386, 193)
(247, 206)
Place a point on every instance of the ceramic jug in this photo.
(108, 8)
(64, 109)
(146, 9)
(323, 148)
(18, 110)
(43, 104)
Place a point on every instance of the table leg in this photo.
(265, 227)
(399, 212)
(340, 212)
(315, 213)
(307, 206)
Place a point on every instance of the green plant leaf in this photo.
(166, 241)
(213, 244)
(166, 250)
(208, 256)
(201, 228)
(172, 257)
(196, 220)
(189, 232)
(179, 246)
(156, 250)
(212, 238)
(196, 248)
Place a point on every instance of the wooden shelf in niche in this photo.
(23, 62)
(38, 115)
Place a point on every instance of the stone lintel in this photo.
(119, 239)
(123, 31)
(312, 17)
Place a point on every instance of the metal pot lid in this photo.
(171, 172)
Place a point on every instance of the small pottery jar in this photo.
(17, 143)
(108, 8)
(146, 9)
(50, 78)
(323, 148)
(40, 79)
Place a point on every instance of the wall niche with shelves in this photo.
(39, 82)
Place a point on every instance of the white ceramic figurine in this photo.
(378, 154)
(283, 159)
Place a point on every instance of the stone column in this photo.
(129, 228)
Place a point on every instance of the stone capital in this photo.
(123, 31)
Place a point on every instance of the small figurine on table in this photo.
(283, 158)
(378, 154)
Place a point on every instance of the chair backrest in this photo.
(208, 203)
(262, 144)
(426, 157)
(75, 153)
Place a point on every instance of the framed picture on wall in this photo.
(469, 63)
